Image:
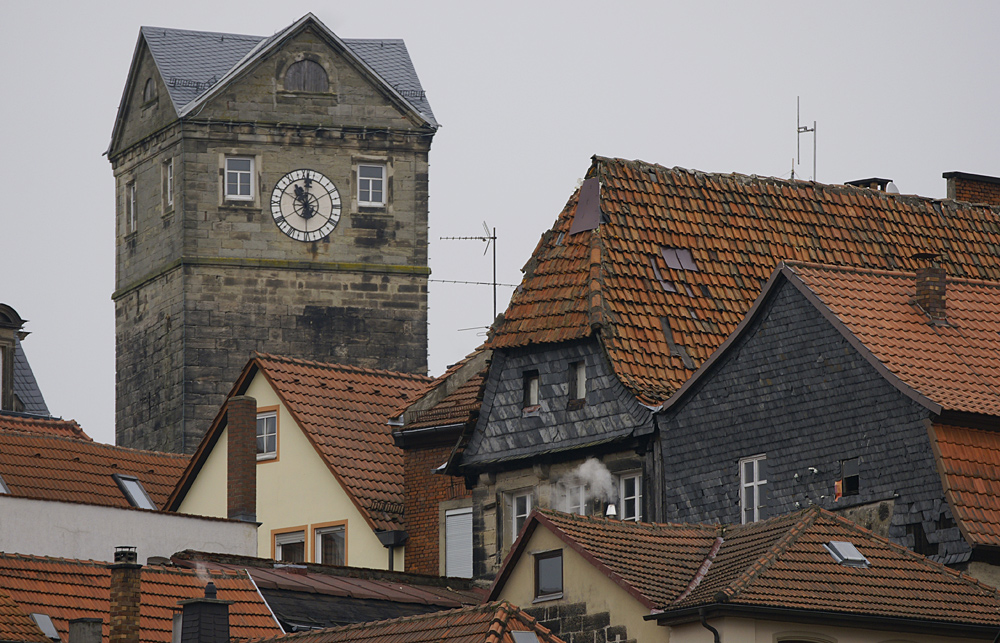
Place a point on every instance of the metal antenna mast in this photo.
(490, 237)
(799, 131)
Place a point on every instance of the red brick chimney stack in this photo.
(241, 423)
(125, 596)
(931, 285)
(973, 188)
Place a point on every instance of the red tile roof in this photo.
(46, 467)
(16, 624)
(956, 365)
(456, 406)
(694, 249)
(779, 563)
(490, 623)
(969, 463)
(344, 412)
(45, 426)
(69, 589)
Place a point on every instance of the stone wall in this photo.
(573, 624)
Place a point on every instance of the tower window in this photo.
(371, 185)
(148, 91)
(306, 76)
(131, 208)
(168, 182)
(239, 179)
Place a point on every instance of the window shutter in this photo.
(458, 543)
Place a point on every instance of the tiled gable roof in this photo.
(42, 425)
(956, 365)
(679, 257)
(69, 589)
(969, 463)
(16, 624)
(779, 563)
(47, 467)
(489, 623)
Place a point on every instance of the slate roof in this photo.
(68, 589)
(490, 623)
(313, 595)
(778, 564)
(679, 257)
(191, 62)
(969, 463)
(956, 365)
(42, 425)
(49, 467)
(343, 411)
(25, 386)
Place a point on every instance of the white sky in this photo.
(526, 93)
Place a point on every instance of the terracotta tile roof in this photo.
(46, 426)
(455, 408)
(489, 623)
(779, 563)
(69, 589)
(694, 249)
(969, 463)
(46, 467)
(16, 624)
(955, 365)
(456, 405)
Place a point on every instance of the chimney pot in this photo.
(241, 422)
(211, 591)
(125, 554)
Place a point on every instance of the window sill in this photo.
(531, 411)
(266, 456)
(547, 597)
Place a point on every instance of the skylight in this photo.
(44, 623)
(846, 554)
(3, 486)
(134, 491)
(524, 637)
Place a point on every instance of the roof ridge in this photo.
(865, 270)
(93, 443)
(196, 32)
(336, 366)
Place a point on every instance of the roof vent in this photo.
(873, 183)
(846, 554)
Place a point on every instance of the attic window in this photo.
(149, 91)
(44, 623)
(530, 389)
(134, 491)
(3, 487)
(524, 637)
(846, 554)
(306, 76)
(850, 478)
(679, 259)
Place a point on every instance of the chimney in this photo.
(931, 288)
(973, 188)
(125, 586)
(85, 630)
(205, 620)
(241, 422)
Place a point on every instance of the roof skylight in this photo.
(846, 554)
(134, 492)
(524, 637)
(3, 486)
(44, 623)
(679, 259)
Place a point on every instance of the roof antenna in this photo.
(490, 237)
(801, 129)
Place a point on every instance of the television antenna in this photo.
(801, 129)
(491, 241)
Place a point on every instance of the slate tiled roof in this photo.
(779, 563)
(190, 62)
(25, 386)
(969, 463)
(69, 589)
(47, 467)
(490, 623)
(956, 365)
(16, 624)
(690, 251)
(42, 425)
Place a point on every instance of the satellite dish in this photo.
(891, 188)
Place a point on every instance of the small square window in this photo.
(630, 496)
(371, 185)
(520, 508)
(134, 492)
(267, 435)
(530, 389)
(850, 478)
(331, 545)
(752, 481)
(131, 208)
(239, 179)
(548, 575)
(290, 547)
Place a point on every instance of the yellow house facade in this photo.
(328, 478)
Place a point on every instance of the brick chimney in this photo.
(931, 285)
(973, 188)
(125, 596)
(241, 422)
(205, 620)
(85, 630)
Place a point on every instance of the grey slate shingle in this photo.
(25, 385)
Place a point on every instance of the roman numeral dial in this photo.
(305, 205)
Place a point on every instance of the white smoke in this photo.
(596, 480)
(201, 571)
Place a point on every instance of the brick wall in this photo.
(973, 188)
(241, 422)
(124, 616)
(424, 492)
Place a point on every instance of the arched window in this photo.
(306, 76)
(149, 91)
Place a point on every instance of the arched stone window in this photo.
(306, 76)
(149, 91)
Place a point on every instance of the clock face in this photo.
(305, 205)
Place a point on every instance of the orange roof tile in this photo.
(455, 407)
(969, 463)
(489, 623)
(46, 426)
(46, 467)
(16, 624)
(956, 365)
(691, 251)
(779, 563)
(69, 589)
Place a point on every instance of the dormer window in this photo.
(306, 76)
(530, 389)
(577, 384)
(134, 492)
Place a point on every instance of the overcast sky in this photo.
(526, 93)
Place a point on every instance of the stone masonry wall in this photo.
(573, 624)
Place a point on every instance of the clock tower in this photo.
(271, 196)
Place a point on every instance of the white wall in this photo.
(73, 530)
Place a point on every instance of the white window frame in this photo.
(289, 538)
(318, 544)
(240, 175)
(517, 519)
(752, 486)
(578, 381)
(636, 515)
(458, 555)
(531, 381)
(131, 207)
(134, 492)
(4, 489)
(575, 497)
(265, 416)
(365, 187)
(170, 182)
